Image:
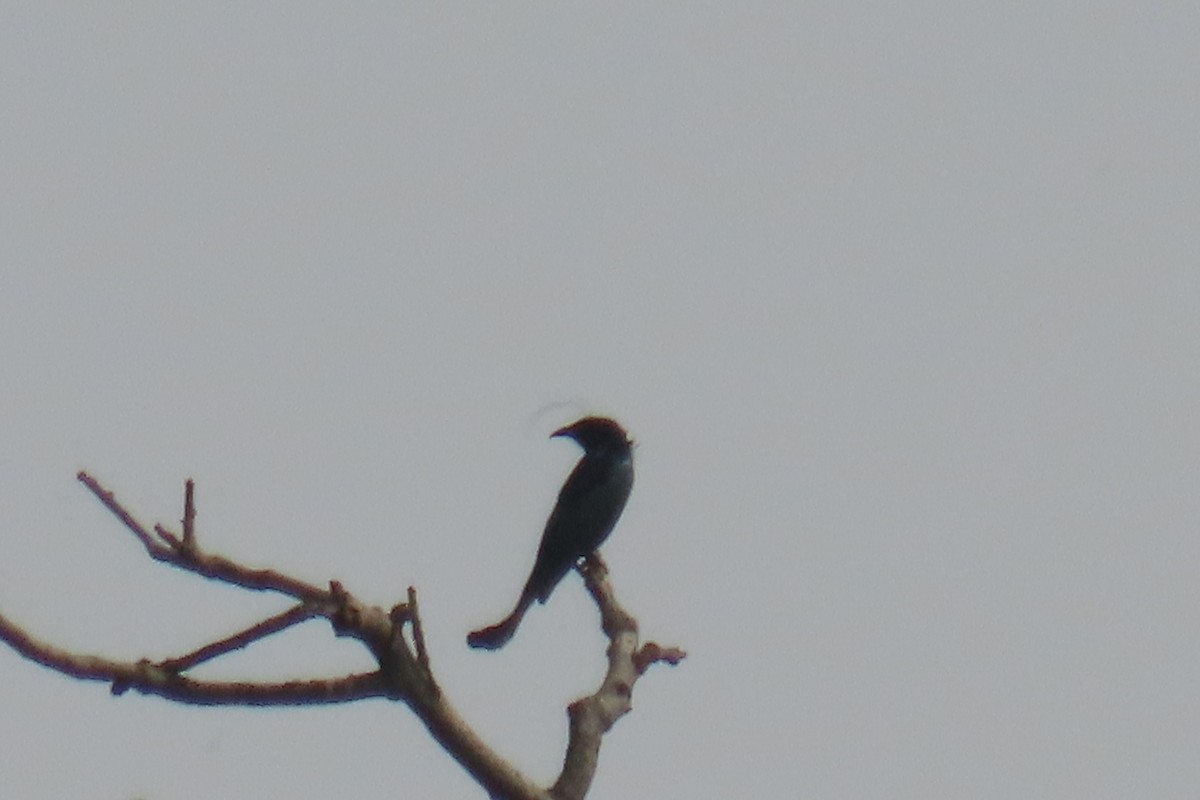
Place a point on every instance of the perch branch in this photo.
(592, 716)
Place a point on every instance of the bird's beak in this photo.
(567, 431)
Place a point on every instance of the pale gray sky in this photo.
(902, 303)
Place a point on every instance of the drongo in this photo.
(588, 506)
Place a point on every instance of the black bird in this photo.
(588, 506)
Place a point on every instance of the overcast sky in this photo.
(901, 301)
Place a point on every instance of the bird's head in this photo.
(596, 434)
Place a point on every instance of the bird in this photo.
(588, 506)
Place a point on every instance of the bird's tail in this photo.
(496, 636)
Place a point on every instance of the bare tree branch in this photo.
(153, 679)
(189, 514)
(237, 641)
(591, 717)
(404, 672)
(110, 502)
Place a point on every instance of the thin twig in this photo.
(110, 502)
(418, 631)
(237, 641)
(169, 537)
(189, 515)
